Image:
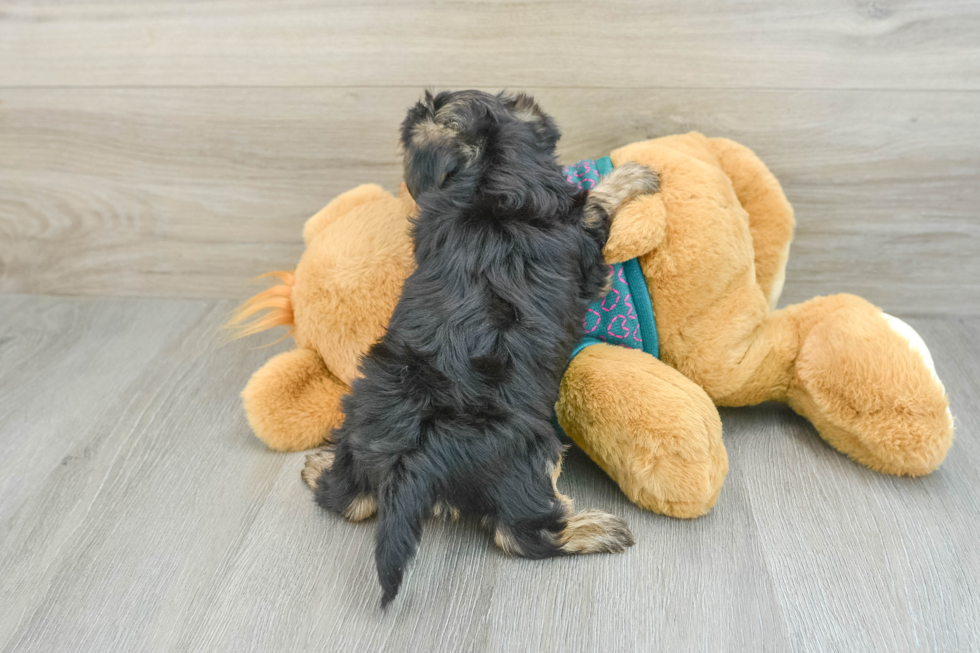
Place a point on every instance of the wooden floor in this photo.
(155, 155)
(140, 514)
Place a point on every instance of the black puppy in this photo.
(452, 413)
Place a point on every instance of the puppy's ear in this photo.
(431, 153)
(524, 108)
(423, 111)
(429, 166)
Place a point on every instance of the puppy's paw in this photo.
(364, 506)
(623, 184)
(316, 463)
(445, 511)
(594, 531)
(632, 180)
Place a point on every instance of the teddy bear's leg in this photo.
(656, 433)
(341, 206)
(864, 381)
(771, 219)
(293, 401)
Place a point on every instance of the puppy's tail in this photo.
(404, 501)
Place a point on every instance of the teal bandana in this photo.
(624, 316)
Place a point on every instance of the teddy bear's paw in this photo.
(916, 344)
(317, 463)
(685, 489)
(624, 183)
(293, 401)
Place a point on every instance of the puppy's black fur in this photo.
(453, 409)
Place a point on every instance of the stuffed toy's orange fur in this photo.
(713, 245)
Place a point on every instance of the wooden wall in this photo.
(175, 149)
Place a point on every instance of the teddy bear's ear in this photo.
(524, 108)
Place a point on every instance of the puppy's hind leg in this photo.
(542, 523)
(317, 463)
(334, 486)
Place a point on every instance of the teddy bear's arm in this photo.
(771, 220)
(637, 228)
(655, 432)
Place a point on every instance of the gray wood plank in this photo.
(143, 515)
(866, 561)
(69, 411)
(674, 43)
(191, 192)
(63, 364)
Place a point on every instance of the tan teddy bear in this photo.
(712, 246)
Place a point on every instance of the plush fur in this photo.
(453, 404)
(713, 245)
